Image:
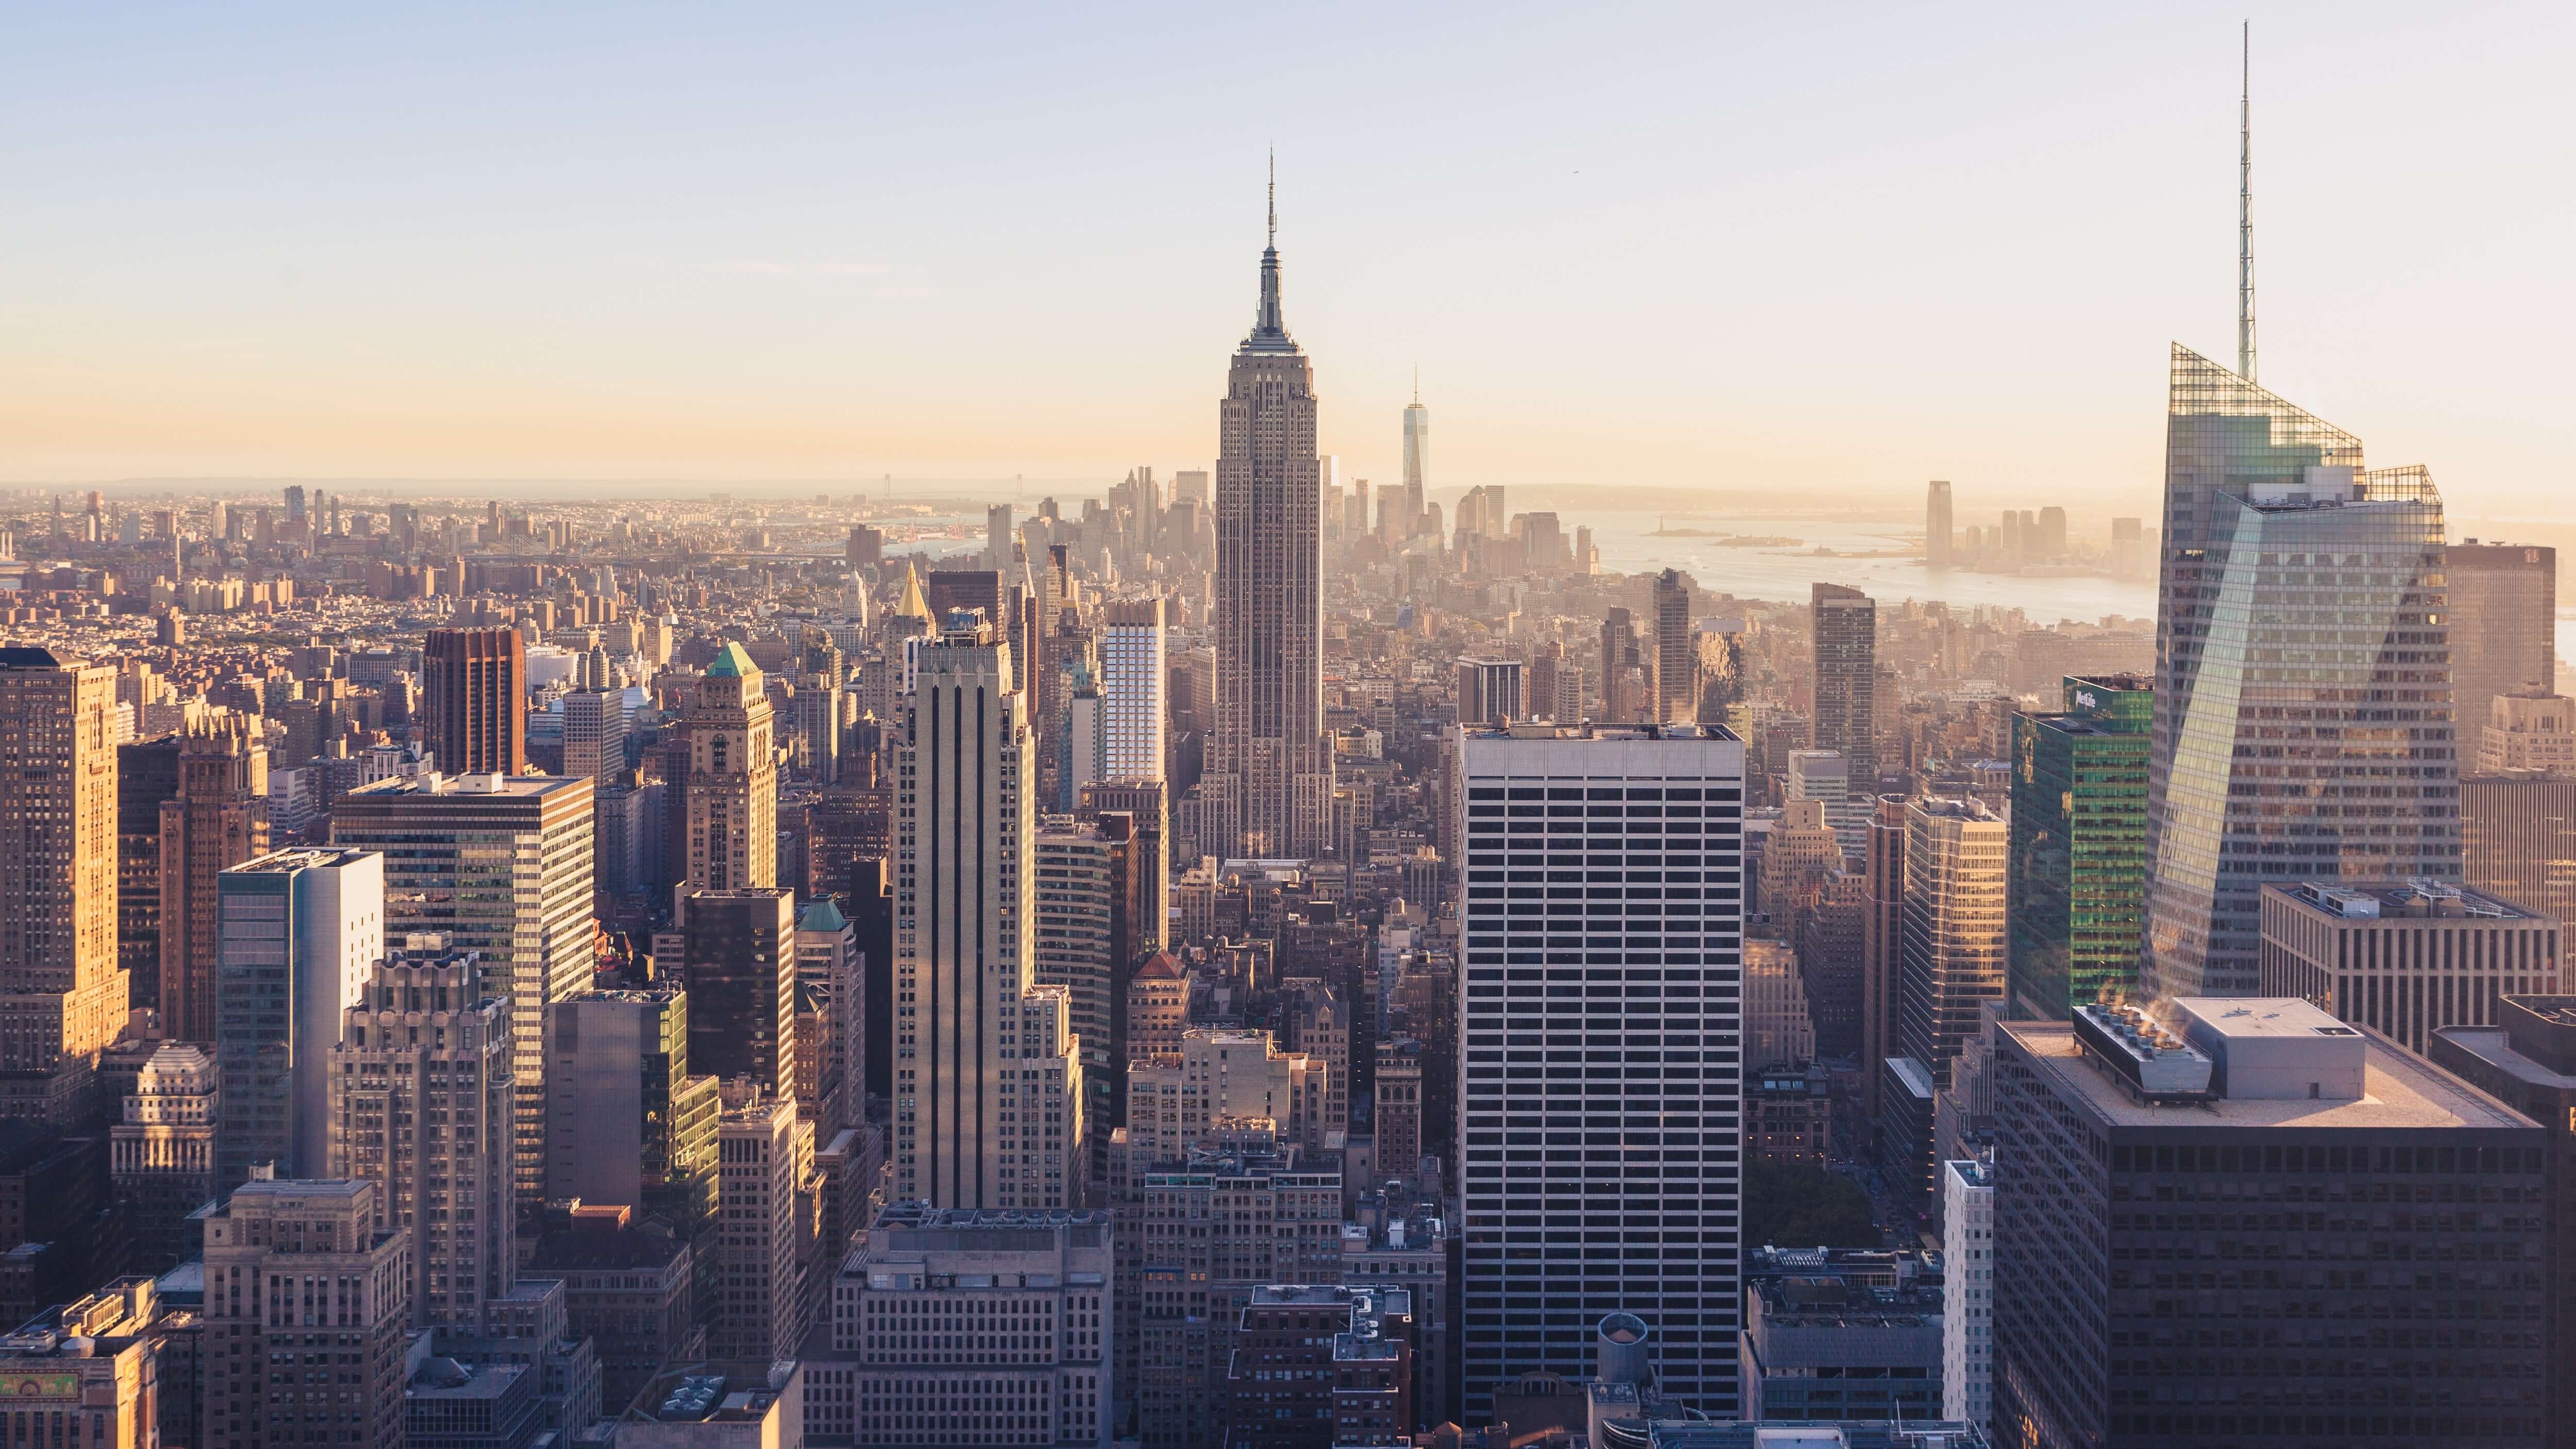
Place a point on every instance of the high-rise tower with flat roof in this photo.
(476, 683)
(1629, 947)
(62, 994)
(1845, 624)
(1269, 782)
(732, 784)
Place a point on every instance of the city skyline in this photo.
(453, 316)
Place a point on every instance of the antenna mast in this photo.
(2245, 217)
(1274, 199)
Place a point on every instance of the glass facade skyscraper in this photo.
(2303, 723)
(2079, 847)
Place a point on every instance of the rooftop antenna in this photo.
(1274, 198)
(1417, 384)
(2245, 217)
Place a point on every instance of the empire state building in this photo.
(1269, 786)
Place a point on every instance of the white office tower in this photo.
(1824, 776)
(968, 1328)
(1132, 665)
(422, 1106)
(983, 1055)
(298, 933)
(1601, 1085)
(1967, 1292)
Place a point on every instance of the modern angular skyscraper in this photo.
(1641, 963)
(1845, 628)
(1939, 532)
(1269, 782)
(476, 683)
(62, 995)
(731, 803)
(2303, 723)
(1954, 926)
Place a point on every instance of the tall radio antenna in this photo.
(2245, 217)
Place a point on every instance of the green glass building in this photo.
(2079, 847)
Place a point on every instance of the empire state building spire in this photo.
(1269, 329)
(1268, 790)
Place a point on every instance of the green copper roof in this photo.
(823, 916)
(732, 663)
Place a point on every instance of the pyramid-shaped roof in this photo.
(823, 915)
(914, 604)
(732, 662)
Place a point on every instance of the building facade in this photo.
(977, 1065)
(1638, 838)
(2078, 883)
(2504, 624)
(62, 994)
(1269, 781)
(161, 1153)
(739, 965)
(2292, 1128)
(421, 1105)
(2302, 648)
(2404, 959)
(501, 866)
(730, 796)
(302, 1267)
(628, 1122)
(963, 1327)
(1967, 1291)
(300, 930)
(1844, 622)
(474, 687)
(217, 819)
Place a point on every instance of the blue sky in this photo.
(1834, 248)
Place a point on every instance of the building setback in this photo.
(2406, 959)
(301, 929)
(474, 684)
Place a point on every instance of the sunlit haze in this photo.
(1679, 246)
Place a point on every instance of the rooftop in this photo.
(2414, 899)
(2398, 1091)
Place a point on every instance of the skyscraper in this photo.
(217, 820)
(2504, 627)
(630, 1123)
(1490, 691)
(147, 773)
(1845, 627)
(1676, 659)
(1882, 941)
(731, 794)
(978, 1046)
(161, 1154)
(475, 683)
(1131, 688)
(278, 1242)
(1618, 807)
(300, 929)
(739, 965)
(1269, 782)
(1954, 927)
(421, 1106)
(501, 866)
(2299, 1123)
(2079, 847)
(2303, 696)
(1417, 458)
(62, 996)
(1939, 531)
(1627, 670)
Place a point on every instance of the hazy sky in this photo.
(1692, 245)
